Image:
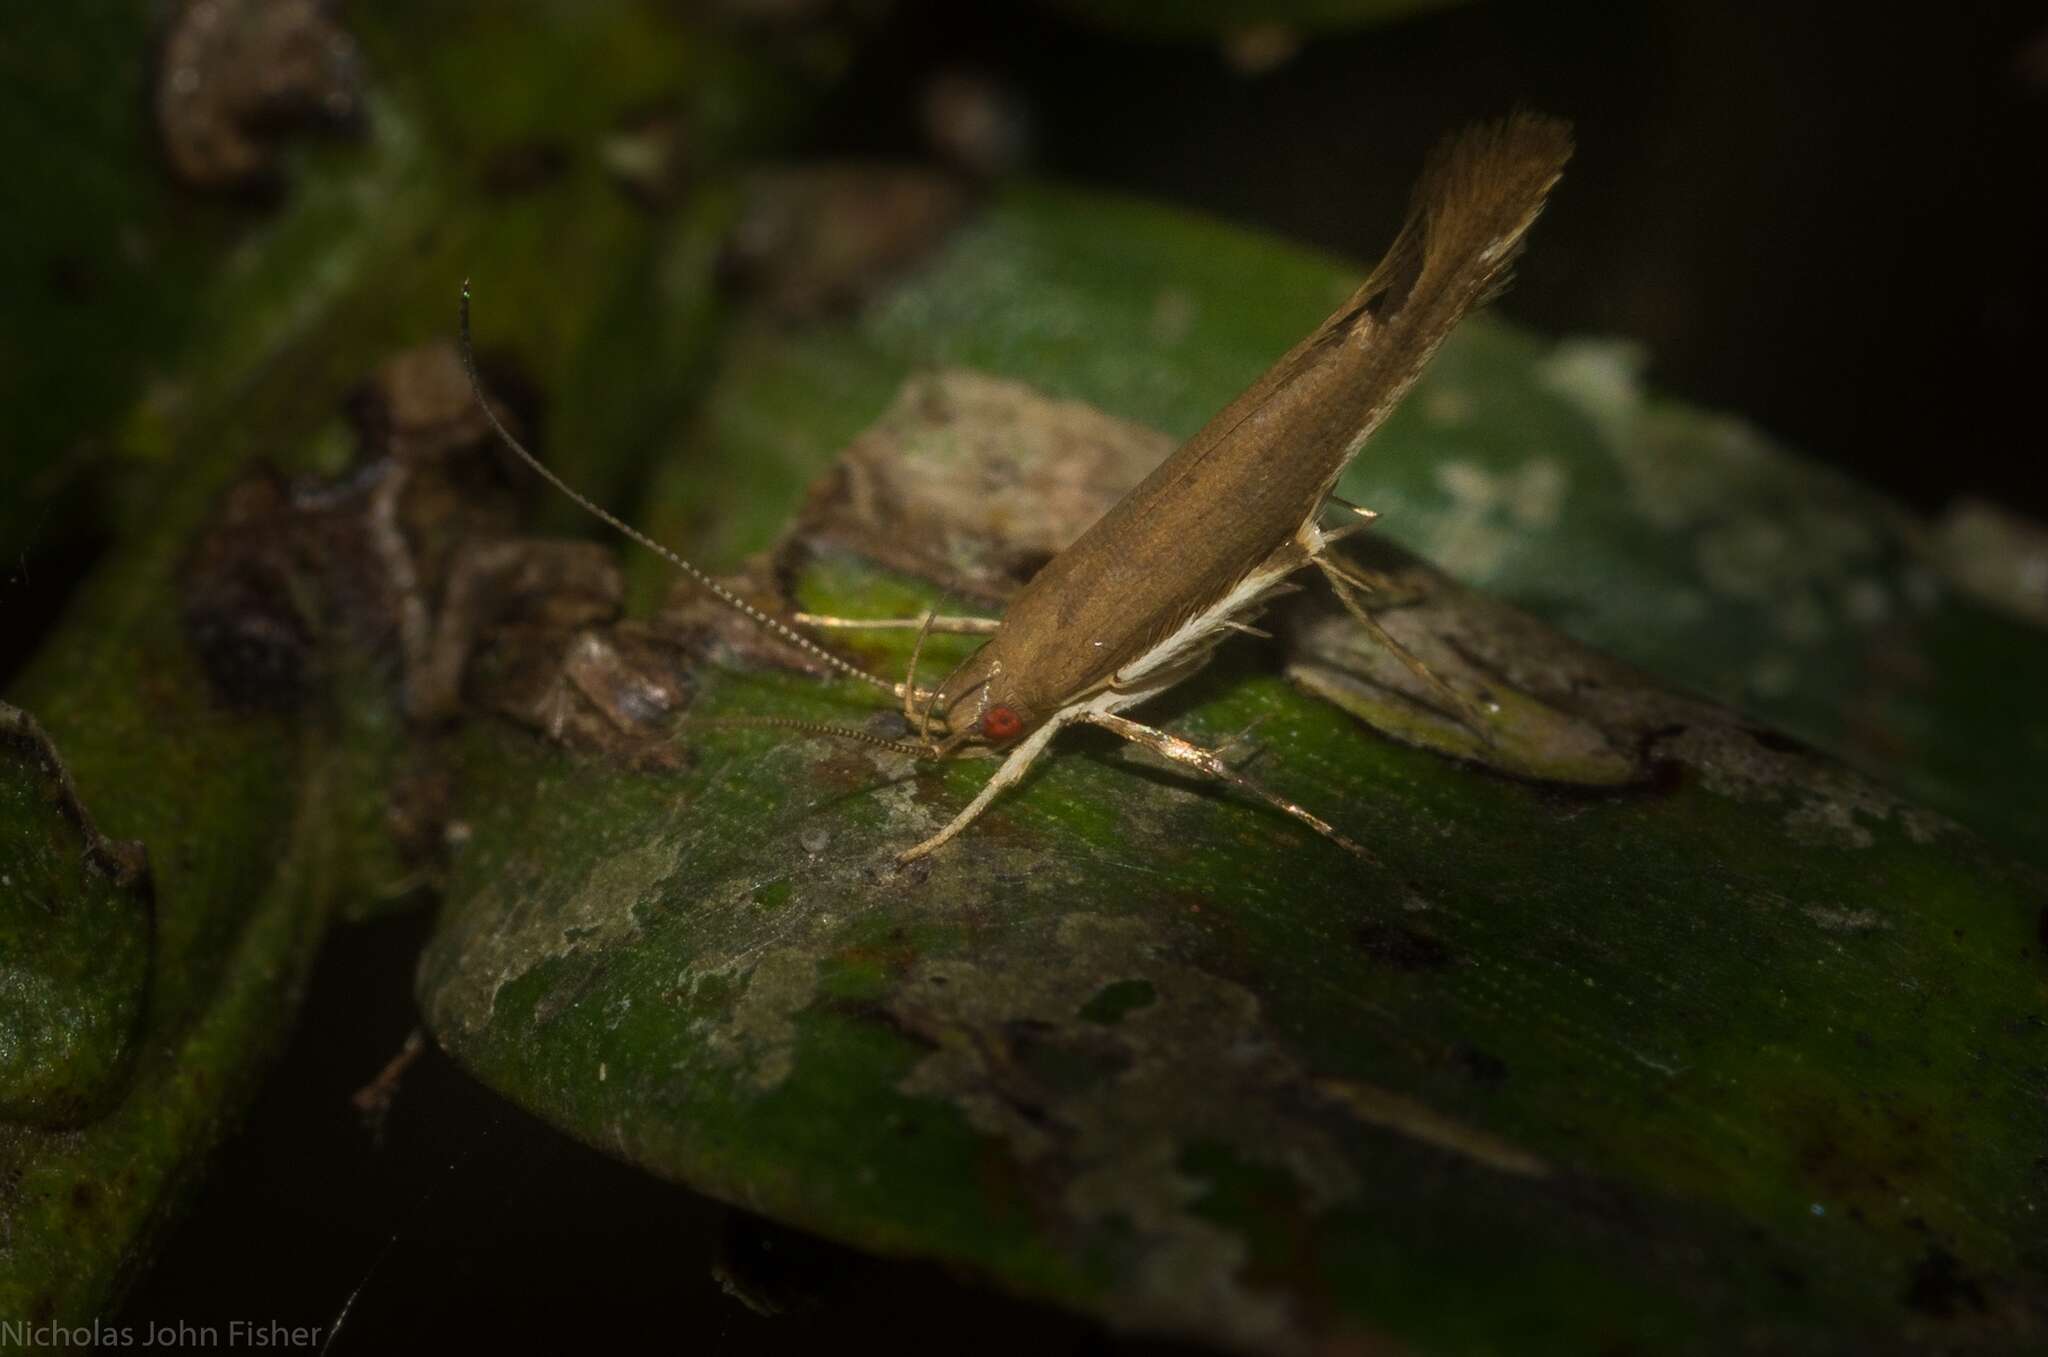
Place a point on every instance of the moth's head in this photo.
(980, 705)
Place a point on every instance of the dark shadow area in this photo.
(468, 1224)
(1825, 220)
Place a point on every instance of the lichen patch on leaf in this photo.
(761, 1032)
(588, 917)
(1581, 1054)
(1107, 1112)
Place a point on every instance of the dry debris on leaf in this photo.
(976, 481)
(285, 563)
(234, 74)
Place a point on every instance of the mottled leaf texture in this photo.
(1651, 1028)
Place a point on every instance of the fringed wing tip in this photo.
(1516, 159)
(1522, 145)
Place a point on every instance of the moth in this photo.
(1191, 555)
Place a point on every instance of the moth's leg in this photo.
(1210, 764)
(910, 691)
(1387, 592)
(1357, 510)
(1361, 518)
(1347, 585)
(1238, 750)
(1014, 767)
(956, 626)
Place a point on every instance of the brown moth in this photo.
(1138, 602)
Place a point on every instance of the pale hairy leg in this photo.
(1347, 586)
(1207, 762)
(1015, 765)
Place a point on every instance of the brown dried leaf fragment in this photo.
(556, 587)
(607, 690)
(233, 74)
(361, 559)
(1557, 711)
(1542, 699)
(976, 481)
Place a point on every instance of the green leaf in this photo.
(74, 939)
(1741, 1053)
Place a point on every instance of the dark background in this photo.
(1828, 219)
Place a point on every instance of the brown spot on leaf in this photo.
(235, 74)
(976, 481)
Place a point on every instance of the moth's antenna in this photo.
(717, 590)
(910, 747)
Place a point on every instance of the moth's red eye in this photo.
(1000, 723)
